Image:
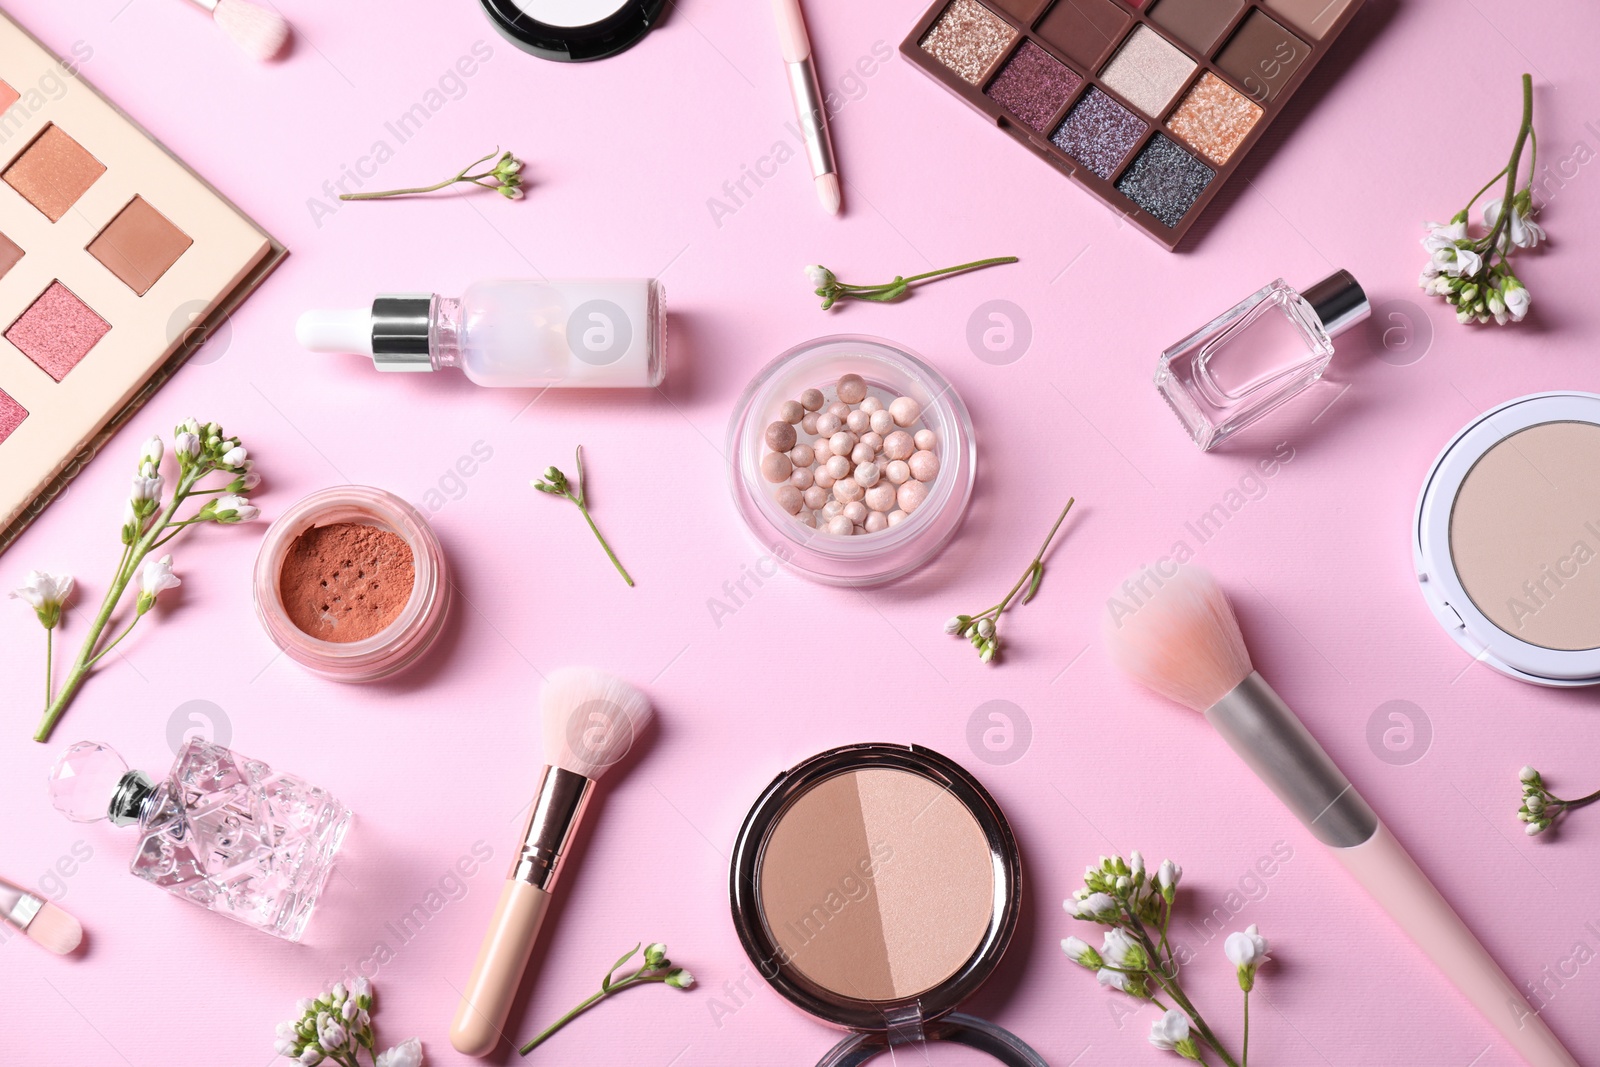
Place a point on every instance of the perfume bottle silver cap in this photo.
(400, 325)
(1339, 302)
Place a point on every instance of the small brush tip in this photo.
(1177, 635)
(55, 930)
(828, 192)
(258, 31)
(590, 719)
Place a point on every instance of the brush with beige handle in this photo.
(590, 719)
(1182, 640)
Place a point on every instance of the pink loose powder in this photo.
(57, 331)
(11, 415)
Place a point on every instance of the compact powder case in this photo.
(1150, 106)
(876, 887)
(574, 30)
(1507, 538)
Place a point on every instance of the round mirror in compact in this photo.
(876, 887)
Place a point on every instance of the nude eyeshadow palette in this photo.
(1151, 106)
(116, 262)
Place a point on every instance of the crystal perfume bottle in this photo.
(1265, 350)
(222, 831)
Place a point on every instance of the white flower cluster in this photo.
(1464, 271)
(337, 1026)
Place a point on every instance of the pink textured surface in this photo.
(624, 159)
(11, 415)
(57, 330)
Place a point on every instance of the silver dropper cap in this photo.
(400, 324)
(1339, 302)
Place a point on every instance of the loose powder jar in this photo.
(351, 583)
(1507, 538)
(876, 887)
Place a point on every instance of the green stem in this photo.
(49, 653)
(1468, 209)
(1581, 802)
(98, 656)
(461, 176)
(1244, 1056)
(1175, 991)
(976, 264)
(615, 562)
(132, 556)
(637, 978)
(1507, 208)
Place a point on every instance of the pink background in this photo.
(1416, 107)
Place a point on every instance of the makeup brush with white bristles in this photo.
(41, 920)
(590, 720)
(1183, 641)
(258, 31)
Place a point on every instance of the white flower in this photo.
(1528, 774)
(151, 451)
(405, 1054)
(1534, 804)
(1535, 829)
(1094, 906)
(330, 1035)
(819, 276)
(1136, 863)
(235, 456)
(1247, 949)
(303, 1005)
(1121, 950)
(311, 1056)
(1517, 300)
(1080, 952)
(1168, 874)
(985, 627)
(1115, 980)
(1167, 1031)
(231, 509)
(1457, 262)
(361, 987)
(186, 445)
(146, 488)
(511, 192)
(1524, 232)
(155, 577)
(655, 953)
(954, 626)
(349, 1010)
(44, 593)
(680, 979)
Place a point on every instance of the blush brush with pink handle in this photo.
(1180, 638)
(590, 720)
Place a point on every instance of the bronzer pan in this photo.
(876, 887)
(1507, 538)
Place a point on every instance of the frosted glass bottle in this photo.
(222, 831)
(1263, 351)
(511, 333)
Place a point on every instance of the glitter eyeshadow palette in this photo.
(116, 261)
(1151, 106)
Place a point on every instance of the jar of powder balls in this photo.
(852, 460)
(351, 583)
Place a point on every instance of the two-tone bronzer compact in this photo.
(116, 262)
(1506, 539)
(1150, 106)
(876, 887)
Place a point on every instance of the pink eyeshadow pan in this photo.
(11, 415)
(57, 331)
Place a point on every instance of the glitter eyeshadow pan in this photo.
(57, 331)
(1165, 180)
(53, 172)
(11, 415)
(1033, 86)
(1214, 119)
(1099, 133)
(1151, 105)
(968, 38)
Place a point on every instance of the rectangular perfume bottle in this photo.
(1262, 352)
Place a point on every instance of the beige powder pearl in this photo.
(899, 445)
(924, 466)
(789, 499)
(775, 467)
(880, 497)
(848, 491)
(898, 472)
(910, 495)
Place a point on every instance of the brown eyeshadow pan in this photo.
(53, 172)
(1083, 30)
(10, 254)
(1149, 104)
(1262, 56)
(139, 245)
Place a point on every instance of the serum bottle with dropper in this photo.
(518, 334)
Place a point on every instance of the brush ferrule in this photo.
(810, 112)
(1269, 737)
(206, 5)
(557, 810)
(19, 912)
